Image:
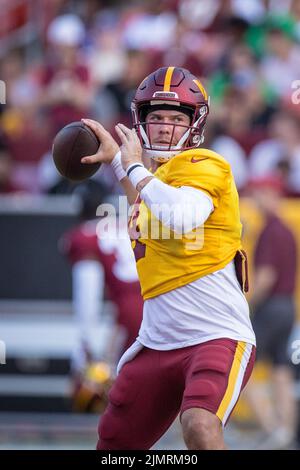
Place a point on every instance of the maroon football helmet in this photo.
(170, 88)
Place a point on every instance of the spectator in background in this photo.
(235, 118)
(280, 65)
(235, 155)
(66, 90)
(113, 101)
(107, 56)
(281, 152)
(151, 28)
(232, 152)
(272, 303)
(22, 120)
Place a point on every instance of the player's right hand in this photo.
(108, 146)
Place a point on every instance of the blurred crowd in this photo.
(88, 58)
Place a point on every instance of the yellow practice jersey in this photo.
(167, 260)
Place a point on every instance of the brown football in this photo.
(73, 142)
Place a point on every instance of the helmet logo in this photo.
(165, 94)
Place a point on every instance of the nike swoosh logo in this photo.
(196, 160)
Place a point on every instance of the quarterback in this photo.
(195, 349)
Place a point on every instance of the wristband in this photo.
(116, 165)
(136, 172)
(132, 167)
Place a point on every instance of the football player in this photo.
(102, 264)
(195, 349)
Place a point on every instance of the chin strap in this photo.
(160, 156)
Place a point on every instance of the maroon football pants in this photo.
(155, 386)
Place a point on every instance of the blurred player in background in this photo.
(101, 266)
(273, 307)
(196, 347)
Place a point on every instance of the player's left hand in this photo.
(131, 149)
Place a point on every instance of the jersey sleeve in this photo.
(210, 175)
(77, 245)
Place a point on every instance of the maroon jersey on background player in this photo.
(115, 256)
